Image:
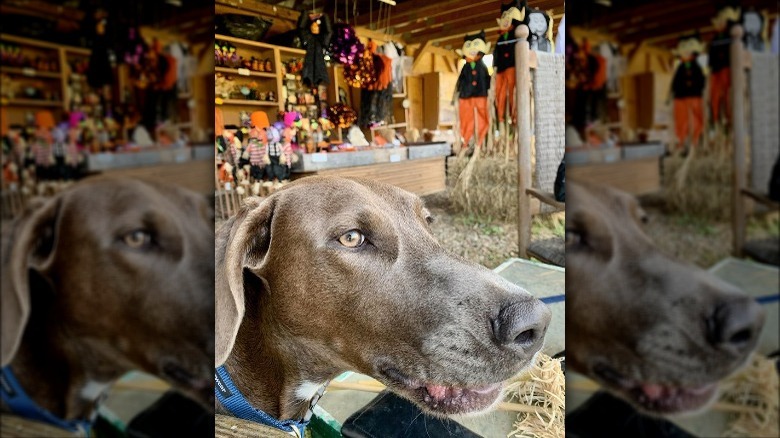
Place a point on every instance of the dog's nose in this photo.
(735, 324)
(522, 324)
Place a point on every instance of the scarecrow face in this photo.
(537, 24)
(724, 16)
(687, 47)
(512, 14)
(473, 46)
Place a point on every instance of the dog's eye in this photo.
(352, 239)
(573, 238)
(430, 219)
(137, 239)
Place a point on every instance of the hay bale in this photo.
(543, 386)
(488, 188)
(699, 186)
(756, 387)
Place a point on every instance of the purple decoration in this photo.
(279, 125)
(345, 47)
(291, 117)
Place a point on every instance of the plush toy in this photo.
(687, 88)
(720, 61)
(257, 144)
(345, 45)
(472, 87)
(315, 32)
(754, 24)
(539, 27)
(512, 14)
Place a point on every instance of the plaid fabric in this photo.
(43, 154)
(256, 152)
(274, 149)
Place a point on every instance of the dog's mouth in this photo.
(442, 398)
(656, 398)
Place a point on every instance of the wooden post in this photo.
(738, 126)
(523, 102)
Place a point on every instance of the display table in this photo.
(419, 169)
(190, 167)
(633, 168)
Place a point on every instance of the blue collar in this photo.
(235, 402)
(21, 404)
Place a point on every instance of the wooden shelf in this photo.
(34, 102)
(234, 71)
(395, 125)
(399, 95)
(249, 102)
(258, 45)
(30, 72)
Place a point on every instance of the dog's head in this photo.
(125, 268)
(345, 274)
(659, 333)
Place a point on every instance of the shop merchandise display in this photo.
(540, 31)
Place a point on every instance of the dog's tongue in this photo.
(438, 392)
(652, 391)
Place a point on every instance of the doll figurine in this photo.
(720, 61)
(274, 168)
(539, 26)
(687, 89)
(257, 144)
(512, 14)
(472, 88)
(753, 23)
(287, 157)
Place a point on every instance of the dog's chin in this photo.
(654, 398)
(198, 388)
(442, 399)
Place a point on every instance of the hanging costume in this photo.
(512, 14)
(472, 88)
(315, 32)
(687, 87)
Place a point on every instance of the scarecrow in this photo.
(472, 88)
(512, 14)
(687, 89)
(256, 147)
(719, 61)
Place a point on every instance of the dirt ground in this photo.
(489, 242)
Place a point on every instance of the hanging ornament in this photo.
(363, 72)
(345, 47)
(341, 115)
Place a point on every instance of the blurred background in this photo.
(104, 87)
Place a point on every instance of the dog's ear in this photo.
(31, 245)
(242, 242)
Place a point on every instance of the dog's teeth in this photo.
(457, 392)
(652, 391)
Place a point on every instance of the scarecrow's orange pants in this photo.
(685, 109)
(720, 93)
(505, 85)
(467, 106)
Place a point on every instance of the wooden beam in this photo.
(419, 55)
(365, 32)
(412, 10)
(257, 7)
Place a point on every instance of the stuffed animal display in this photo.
(687, 88)
(472, 88)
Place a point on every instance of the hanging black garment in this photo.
(315, 36)
(99, 72)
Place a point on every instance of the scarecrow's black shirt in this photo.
(719, 55)
(474, 80)
(688, 80)
(504, 55)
